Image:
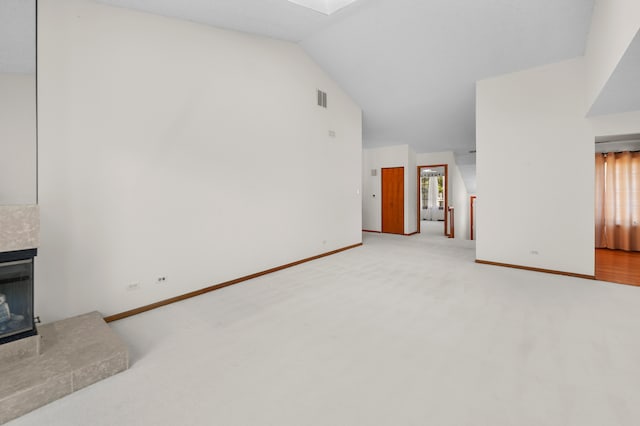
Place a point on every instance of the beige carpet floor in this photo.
(432, 228)
(403, 331)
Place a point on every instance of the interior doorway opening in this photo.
(433, 199)
(617, 209)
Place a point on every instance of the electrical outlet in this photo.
(161, 280)
(535, 252)
(133, 286)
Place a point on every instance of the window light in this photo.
(324, 6)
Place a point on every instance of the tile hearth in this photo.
(73, 353)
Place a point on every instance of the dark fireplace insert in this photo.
(16, 295)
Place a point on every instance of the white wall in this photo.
(535, 169)
(370, 193)
(173, 149)
(613, 27)
(411, 225)
(535, 150)
(17, 138)
(377, 159)
(456, 189)
(404, 156)
(615, 124)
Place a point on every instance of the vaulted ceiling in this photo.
(622, 91)
(410, 64)
(17, 36)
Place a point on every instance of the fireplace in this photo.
(16, 295)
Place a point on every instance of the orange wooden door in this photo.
(393, 200)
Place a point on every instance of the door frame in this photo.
(446, 194)
(472, 200)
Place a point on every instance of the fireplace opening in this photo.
(16, 295)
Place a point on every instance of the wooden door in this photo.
(393, 200)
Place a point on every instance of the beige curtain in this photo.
(621, 202)
(600, 237)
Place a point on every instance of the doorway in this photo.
(617, 209)
(393, 200)
(433, 198)
(472, 217)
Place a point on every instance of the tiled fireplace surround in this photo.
(64, 356)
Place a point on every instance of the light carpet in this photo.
(402, 331)
(432, 228)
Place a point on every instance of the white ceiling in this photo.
(279, 19)
(631, 143)
(622, 91)
(324, 6)
(18, 36)
(410, 64)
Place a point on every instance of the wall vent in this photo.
(322, 98)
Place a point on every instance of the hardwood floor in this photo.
(618, 266)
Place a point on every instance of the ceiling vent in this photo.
(322, 99)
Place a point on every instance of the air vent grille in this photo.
(322, 98)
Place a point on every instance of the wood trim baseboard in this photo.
(215, 287)
(529, 268)
(378, 232)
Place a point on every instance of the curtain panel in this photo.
(617, 209)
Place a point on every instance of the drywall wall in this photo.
(371, 219)
(404, 156)
(17, 138)
(535, 169)
(412, 179)
(613, 27)
(171, 149)
(615, 124)
(377, 159)
(456, 189)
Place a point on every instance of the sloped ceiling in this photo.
(279, 19)
(410, 64)
(622, 91)
(17, 36)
